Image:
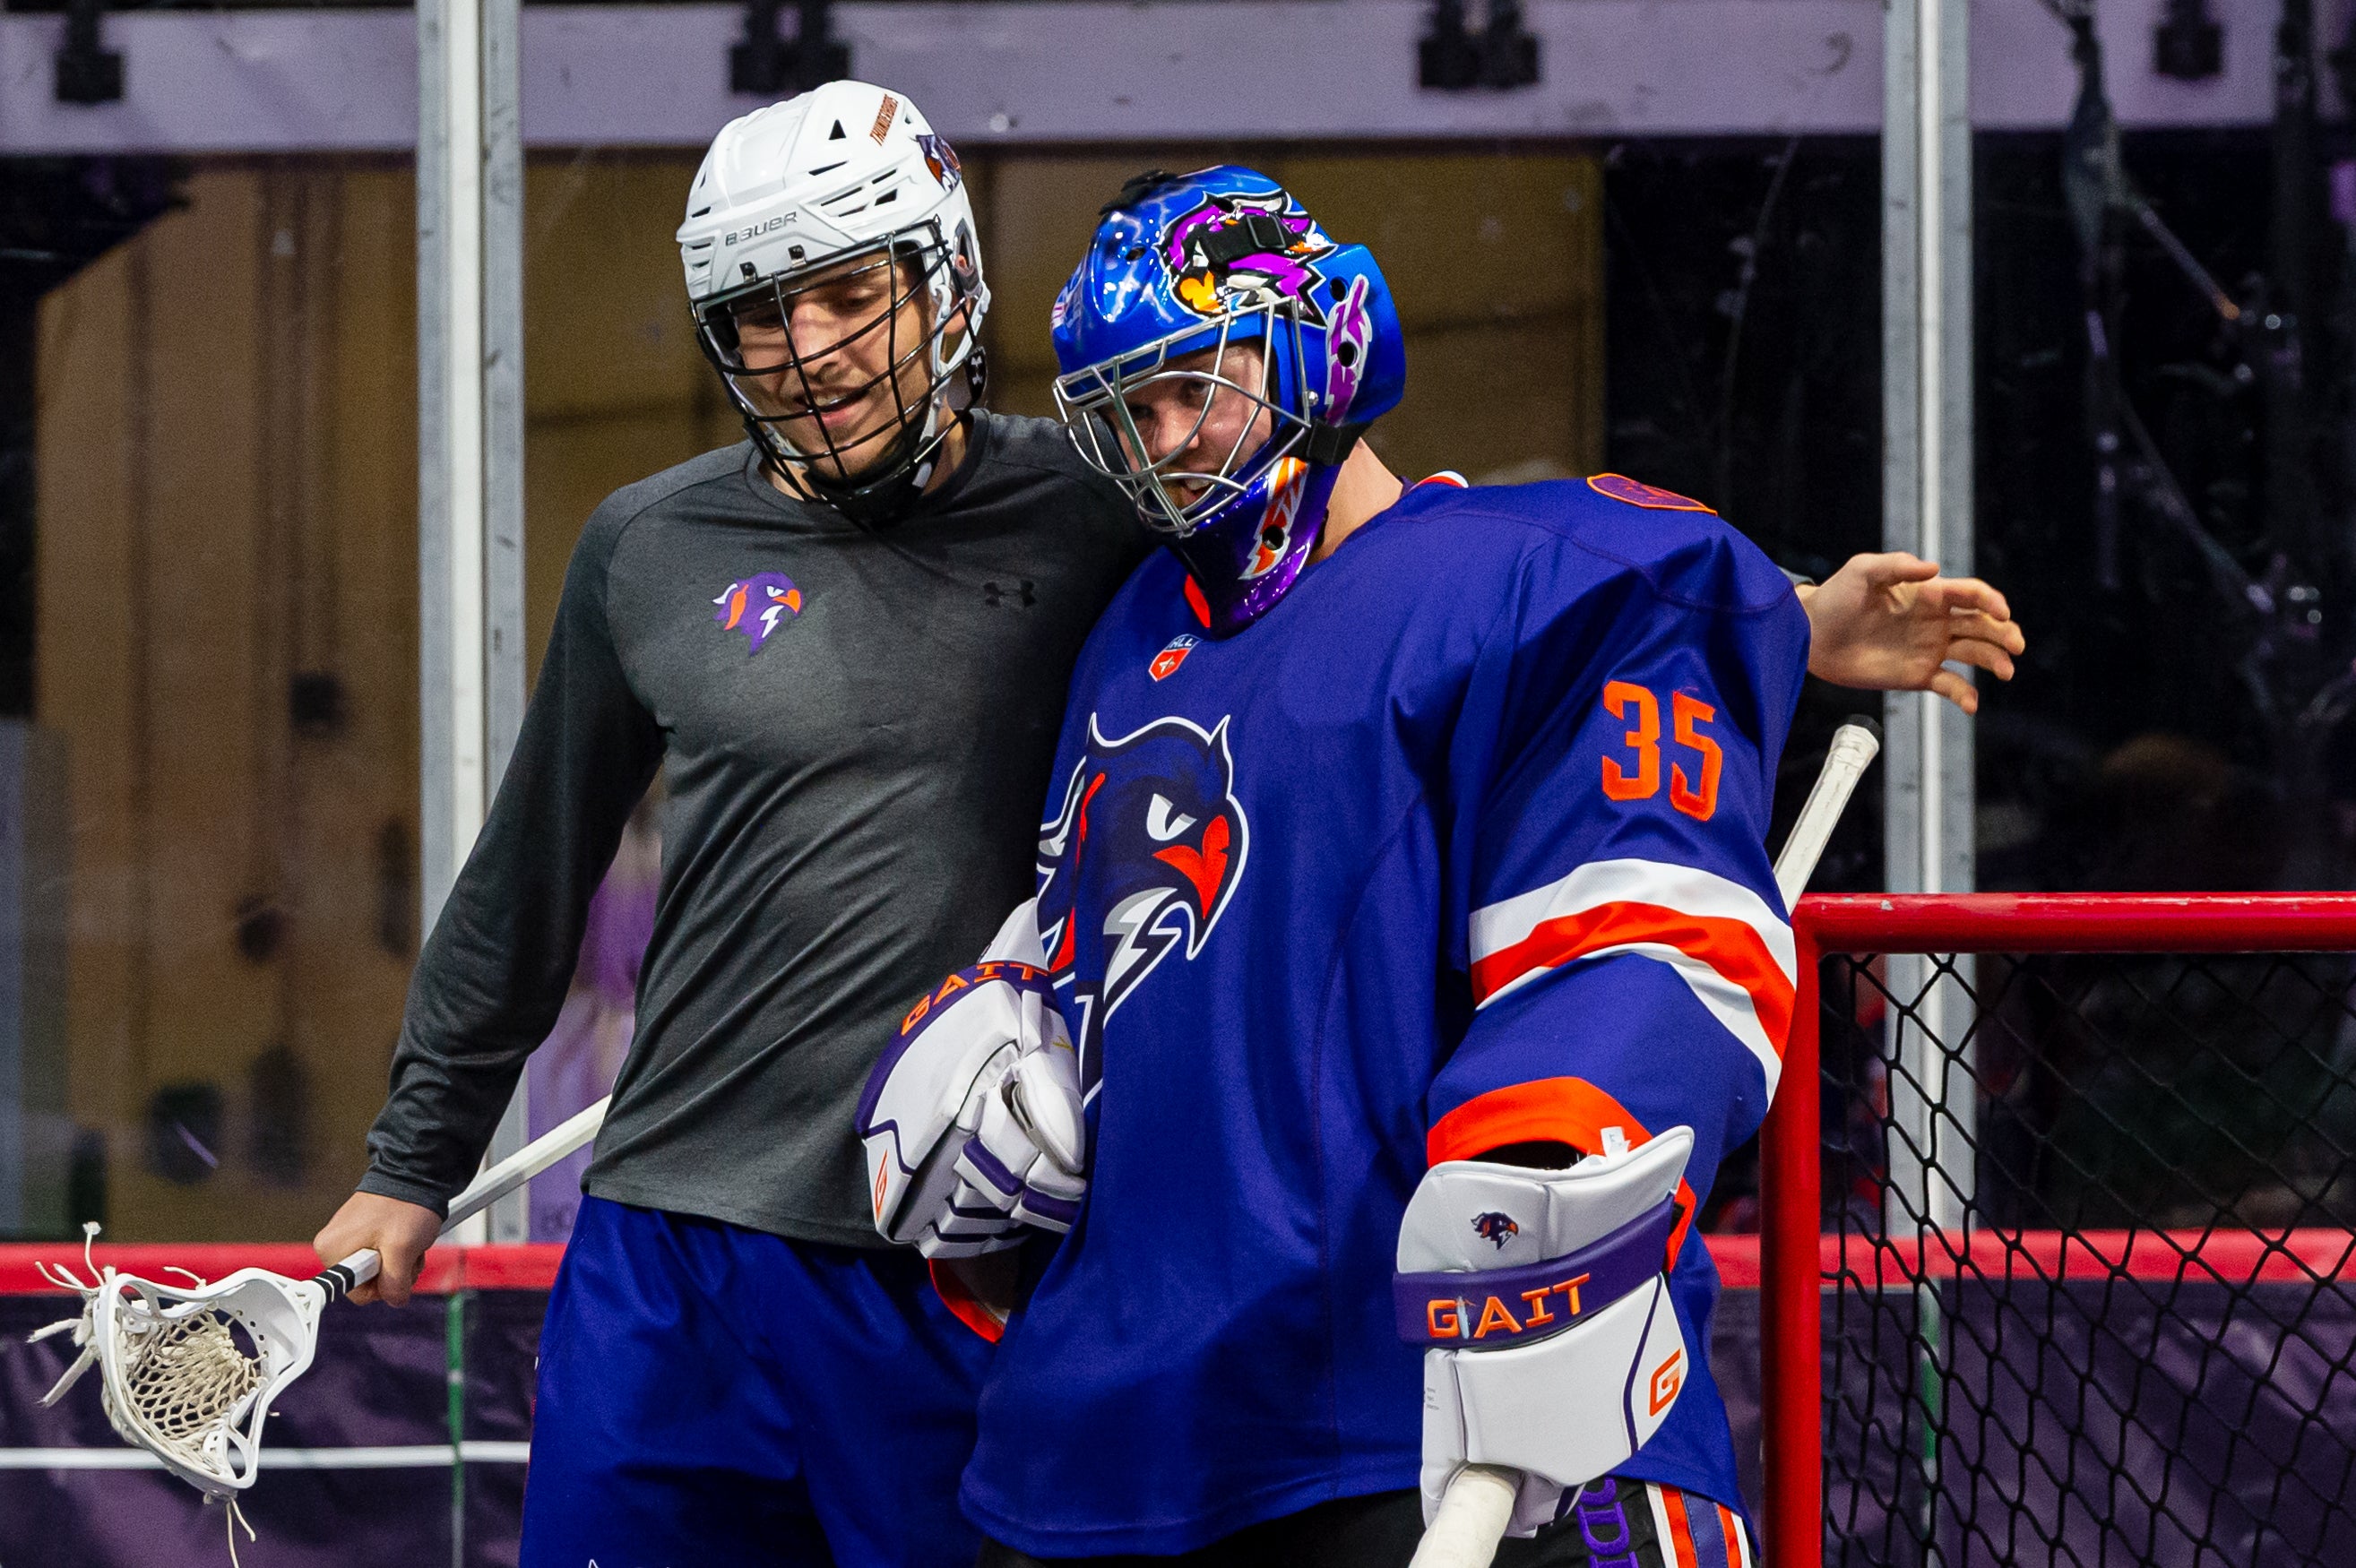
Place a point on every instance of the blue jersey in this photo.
(1459, 846)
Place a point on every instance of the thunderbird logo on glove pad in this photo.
(1496, 1229)
(1148, 848)
(1504, 1306)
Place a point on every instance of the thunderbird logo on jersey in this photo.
(755, 606)
(1145, 854)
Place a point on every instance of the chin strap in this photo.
(870, 506)
(1329, 445)
(879, 503)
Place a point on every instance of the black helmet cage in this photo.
(873, 484)
(1093, 403)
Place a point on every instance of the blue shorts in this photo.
(714, 1396)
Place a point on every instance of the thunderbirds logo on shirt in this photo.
(1165, 662)
(1145, 854)
(758, 606)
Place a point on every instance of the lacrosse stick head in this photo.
(188, 1371)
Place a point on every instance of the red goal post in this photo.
(1913, 1254)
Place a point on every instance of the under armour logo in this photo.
(1019, 594)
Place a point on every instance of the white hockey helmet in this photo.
(843, 173)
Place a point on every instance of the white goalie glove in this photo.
(1543, 1296)
(972, 1121)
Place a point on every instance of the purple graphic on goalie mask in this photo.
(1237, 252)
(1349, 334)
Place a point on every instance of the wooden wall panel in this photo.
(207, 691)
(227, 438)
(614, 387)
(354, 926)
(89, 570)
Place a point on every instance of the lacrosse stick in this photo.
(1478, 1506)
(188, 1371)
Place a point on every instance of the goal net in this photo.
(2059, 1264)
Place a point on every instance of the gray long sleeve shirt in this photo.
(856, 766)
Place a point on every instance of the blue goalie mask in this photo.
(1221, 357)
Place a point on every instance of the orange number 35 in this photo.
(1644, 781)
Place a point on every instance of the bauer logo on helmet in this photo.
(754, 232)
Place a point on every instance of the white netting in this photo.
(184, 1377)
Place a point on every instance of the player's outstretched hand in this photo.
(400, 1232)
(1890, 623)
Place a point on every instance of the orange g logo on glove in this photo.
(1667, 1380)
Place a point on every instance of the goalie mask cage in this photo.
(2057, 1258)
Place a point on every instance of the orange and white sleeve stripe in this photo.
(1729, 945)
